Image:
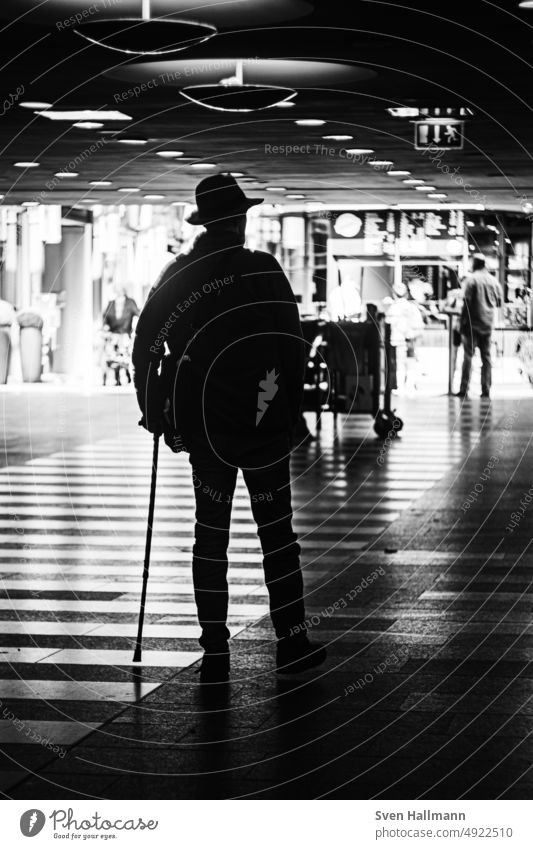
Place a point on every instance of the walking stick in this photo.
(138, 645)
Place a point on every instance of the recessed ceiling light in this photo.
(398, 173)
(27, 164)
(412, 182)
(338, 138)
(87, 200)
(30, 203)
(285, 104)
(66, 174)
(526, 4)
(295, 197)
(404, 111)
(276, 189)
(236, 173)
(100, 182)
(84, 115)
(129, 141)
(425, 188)
(470, 224)
(439, 195)
(381, 163)
(35, 104)
(201, 165)
(88, 125)
(154, 197)
(358, 151)
(128, 189)
(309, 122)
(169, 154)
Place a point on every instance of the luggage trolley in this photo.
(351, 369)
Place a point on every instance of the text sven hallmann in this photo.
(419, 815)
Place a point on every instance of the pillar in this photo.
(75, 338)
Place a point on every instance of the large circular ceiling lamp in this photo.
(296, 73)
(232, 94)
(58, 14)
(145, 36)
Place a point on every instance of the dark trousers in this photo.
(267, 477)
(483, 341)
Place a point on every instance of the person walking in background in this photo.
(120, 312)
(118, 324)
(482, 297)
(453, 306)
(234, 384)
(407, 324)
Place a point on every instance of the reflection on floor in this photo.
(412, 580)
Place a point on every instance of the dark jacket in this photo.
(244, 376)
(124, 323)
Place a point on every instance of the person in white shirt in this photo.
(406, 324)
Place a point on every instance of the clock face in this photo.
(348, 225)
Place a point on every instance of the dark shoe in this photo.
(485, 394)
(215, 668)
(461, 394)
(296, 654)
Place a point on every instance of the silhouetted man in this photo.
(234, 377)
(482, 297)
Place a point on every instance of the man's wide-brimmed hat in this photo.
(219, 197)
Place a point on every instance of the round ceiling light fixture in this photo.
(232, 94)
(169, 154)
(358, 151)
(88, 125)
(35, 104)
(145, 36)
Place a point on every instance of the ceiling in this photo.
(348, 61)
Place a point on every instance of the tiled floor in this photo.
(412, 580)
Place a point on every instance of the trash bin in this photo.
(31, 346)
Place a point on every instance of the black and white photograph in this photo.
(266, 410)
